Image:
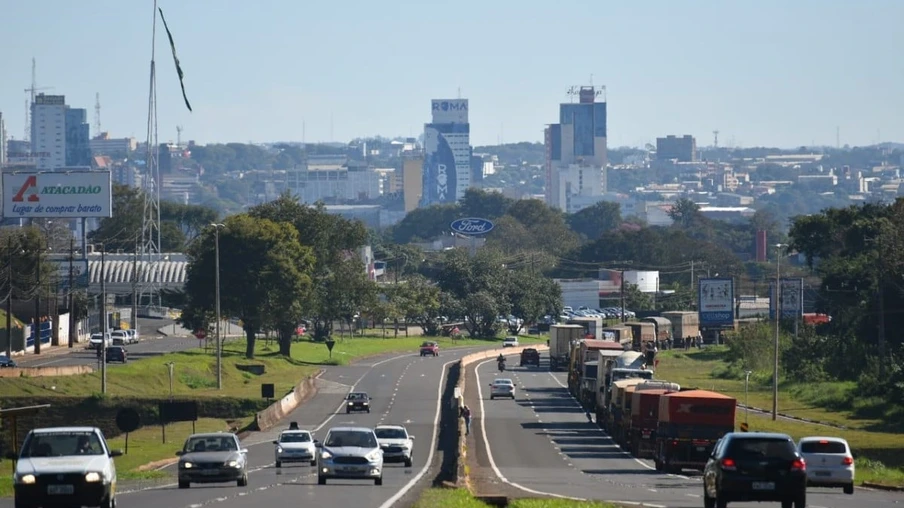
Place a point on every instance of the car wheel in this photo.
(720, 503)
(849, 489)
(184, 485)
(109, 502)
(378, 481)
(407, 462)
(278, 463)
(801, 501)
(243, 481)
(321, 480)
(708, 502)
(347, 410)
(21, 504)
(313, 462)
(368, 410)
(492, 397)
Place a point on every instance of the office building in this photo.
(683, 149)
(447, 153)
(59, 134)
(576, 153)
(103, 144)
(412, 178)
(2, 141)
(333, 179)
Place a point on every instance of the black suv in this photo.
(530, 356)
(755, 467)
(357, 401)
(117, 354)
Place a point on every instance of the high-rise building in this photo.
(683, 149)
(2, 141)
(59, 134)
(412, 178)
(447, 153)
(576, 153)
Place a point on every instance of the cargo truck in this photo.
(624, 335)
(643, 333)
(593, 326)
(589, 358)
(661, 325)
(627, 365)
(684, 323)
(615, 418)
(689, 425)
(645, 416)
(561, 340)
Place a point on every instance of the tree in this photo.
(261, 261)
(418, 301)
(484, 204)
(685, 213)
(593, 221)
(425, 223)
(477, 286)
(532, 296)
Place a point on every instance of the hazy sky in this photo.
(763, 72)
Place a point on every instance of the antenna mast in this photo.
(28, 103)
(97, 113)
(716, 138)
(150, 231)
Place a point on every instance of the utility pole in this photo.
(134, 320)
(71, 292)
(103, 322)
(622, 311)
(9, 296)
(219, 341)
(778, 321)
(36, 329)
(881, 296)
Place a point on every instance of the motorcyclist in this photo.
(500, 358)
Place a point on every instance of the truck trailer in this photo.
(645, 416)
(627, 365)
(689, 425)
(561, 340)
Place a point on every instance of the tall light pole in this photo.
(103, 322)
(746, 397)
(36, 329)
(216, 228)
(778, 321)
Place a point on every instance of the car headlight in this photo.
(27, 479)
(233, 463)
(187, 465)
(326, 455)
(93, 477)
(279, 449)
(349, 403)
(374, 455)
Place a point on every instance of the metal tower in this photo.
(150, 231)
(29, 103)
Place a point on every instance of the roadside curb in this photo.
(887, 488)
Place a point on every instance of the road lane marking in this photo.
(642, 463)
(439, 405)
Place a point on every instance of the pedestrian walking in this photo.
(466, 414)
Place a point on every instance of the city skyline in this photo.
(762, 73)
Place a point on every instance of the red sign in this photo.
(200, 334)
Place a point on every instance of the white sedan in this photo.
(295, 446)
(510, 342)
(829, 462)
(502, 387)
(396, 443)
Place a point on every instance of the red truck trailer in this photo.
(690, 423)
(645, 416)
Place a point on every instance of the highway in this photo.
(542, 444)
(405, 390)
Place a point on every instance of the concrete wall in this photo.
(71, 370)
(270, 417)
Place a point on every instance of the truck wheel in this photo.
(657, 464)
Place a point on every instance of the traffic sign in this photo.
(745, 427)
(200, 333)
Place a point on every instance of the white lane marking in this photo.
(439, 405)
(486, 445)
(642, 463)
(698, 495)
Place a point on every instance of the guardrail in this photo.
(270, 417)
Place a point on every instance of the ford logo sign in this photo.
(472, 226)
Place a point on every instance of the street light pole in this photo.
(216, 228)
(9, 296)
(778, 320)
(170, 366)
(103, 323)
(746, 397)
(36, 329)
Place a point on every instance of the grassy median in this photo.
(461, 498)
(877, 444)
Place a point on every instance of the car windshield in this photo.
(357, 396)
(391, 433)
(823, 446)
(210, 444)
(295, 437)
(503, 382)
(355, 438)
(752, 449)
(427, 344)
(62, 444)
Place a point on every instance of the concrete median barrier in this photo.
(70, 370)
(304, 390)
(459, 400)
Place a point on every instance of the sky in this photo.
(763, 72)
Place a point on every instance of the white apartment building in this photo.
(48, 131)
(103, 144)
(576, 187)
(334, 181)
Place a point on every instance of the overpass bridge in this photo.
(124, 271)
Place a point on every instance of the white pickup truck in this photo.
(69, 466)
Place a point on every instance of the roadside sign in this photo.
(745, 427)
(201, 334)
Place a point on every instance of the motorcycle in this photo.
(501, 366)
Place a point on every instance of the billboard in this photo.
(79, 272)
(792, 299)
(716, 303)
(472, 226)
(72, 194)
(440, 173)
(449, 110)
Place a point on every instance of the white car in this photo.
(65, 465)
(502, 387)
(350, 453)
(295, 446)
(120, 338)
(97, 341)
(396, 443)
(829, 462)
(131, 336)
(510, 342)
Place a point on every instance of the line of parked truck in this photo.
(613, 379)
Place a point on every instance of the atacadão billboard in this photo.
(73, 194)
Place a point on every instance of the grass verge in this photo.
(876, 443)
(461, 498)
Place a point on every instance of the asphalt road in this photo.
(152, 343)
(405, 390)
(542, 443)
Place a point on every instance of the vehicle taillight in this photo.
(728, 464)
(798, 465)
(848, 461)
(674, 443)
